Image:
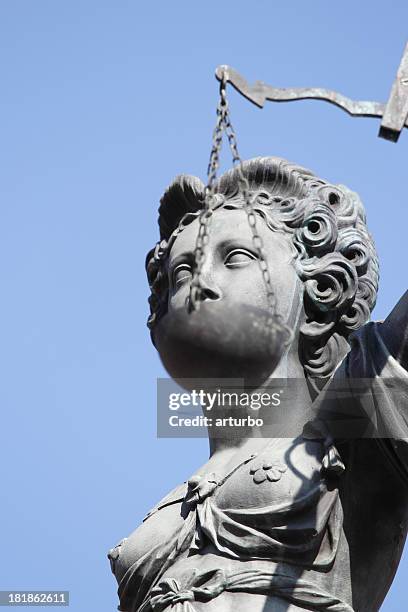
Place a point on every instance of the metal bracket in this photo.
(394, 114)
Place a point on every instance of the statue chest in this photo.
(278, 492)
(276, 477)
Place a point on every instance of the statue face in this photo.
(231, 334)
(231, 272)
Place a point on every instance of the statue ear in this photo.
(184, 195)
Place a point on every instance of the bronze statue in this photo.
(311, 521)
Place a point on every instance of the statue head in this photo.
(321, 257)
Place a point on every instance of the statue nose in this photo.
(208, 289)
(208, 293)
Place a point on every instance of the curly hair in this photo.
(335, 256)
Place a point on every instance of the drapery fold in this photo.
(169, 594)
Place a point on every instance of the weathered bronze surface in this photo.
(312, 517)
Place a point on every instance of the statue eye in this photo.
(238, 258)
(181, 274)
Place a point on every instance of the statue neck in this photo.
(236, 428)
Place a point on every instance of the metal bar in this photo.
(259, 92)
(396, 112)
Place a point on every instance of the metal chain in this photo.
(224, 123)
(209, 200)
(251, 216)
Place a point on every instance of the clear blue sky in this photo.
(102, 104)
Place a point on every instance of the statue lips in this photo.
(220, 341)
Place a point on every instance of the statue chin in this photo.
(220, 341)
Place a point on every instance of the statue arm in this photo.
(394, 331)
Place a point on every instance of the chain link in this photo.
(224, 124)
